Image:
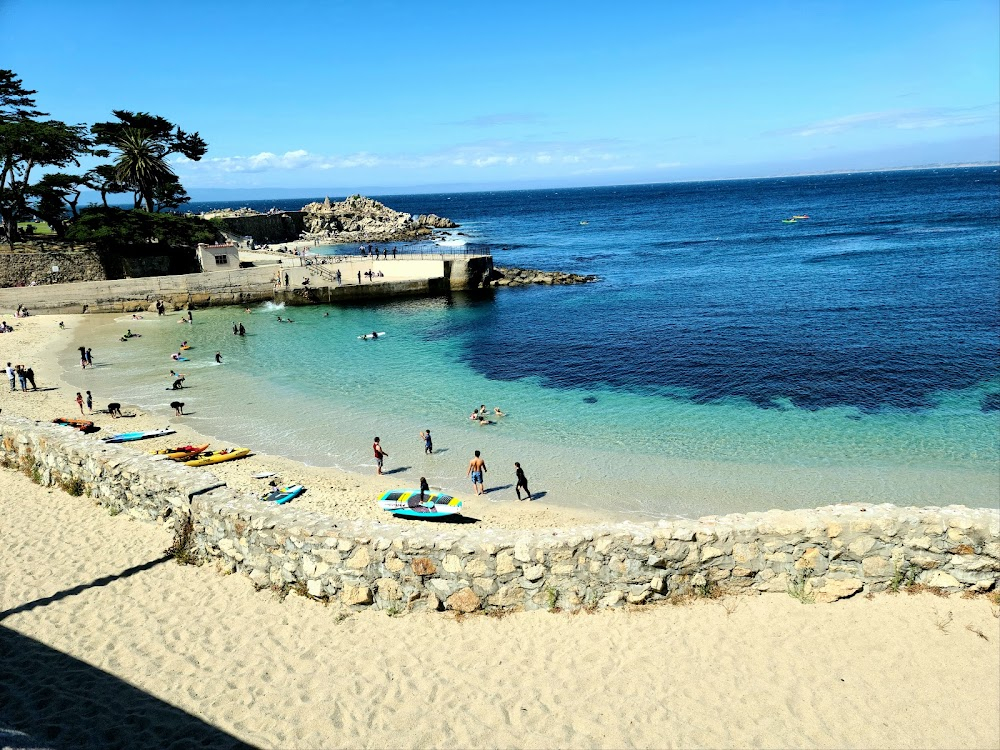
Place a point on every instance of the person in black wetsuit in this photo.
(522, 482)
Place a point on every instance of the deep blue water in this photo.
(886, 297)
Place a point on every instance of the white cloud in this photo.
(899, 119)
(478, 155)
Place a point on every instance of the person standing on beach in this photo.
(83, 356)
(379, 455)
(428, 445)
(10, 377)
(90, 403)
(359, 277)
(22, 378)
(79, 402)
(90, 358)
(477, 467)
(522, 482)
(29, 373)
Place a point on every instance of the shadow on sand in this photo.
(65, 702)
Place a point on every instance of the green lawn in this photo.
(41, 228)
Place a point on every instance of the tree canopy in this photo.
(35, 150)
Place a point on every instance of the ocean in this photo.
(724, 362)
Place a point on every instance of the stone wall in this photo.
(74, 263)
(33, 262)
(823, 554)
(266, 229)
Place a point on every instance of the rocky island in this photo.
(354, 219)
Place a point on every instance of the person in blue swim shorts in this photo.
(477, 467)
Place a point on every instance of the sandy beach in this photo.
(105, 643)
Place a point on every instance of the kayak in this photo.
(802, 216)
(217, 457)
(186, 451)
(788, 221)
(127, 437)
(378, 335)
(281, 495)
(83, 425)
(185, 348)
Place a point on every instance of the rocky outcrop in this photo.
(361, 219)
(526, 276)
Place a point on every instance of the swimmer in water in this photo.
(496, 410)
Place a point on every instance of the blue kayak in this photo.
(127, 437)
(281, 495)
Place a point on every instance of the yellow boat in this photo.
(187, 451)
(217, 457)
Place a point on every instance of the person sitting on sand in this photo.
(179, 383)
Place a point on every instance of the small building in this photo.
(224, 257)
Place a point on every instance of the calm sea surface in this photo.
(726, 361)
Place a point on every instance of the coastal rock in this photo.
(502, 276)
(355, 595)
(423, 566)
(361, 219)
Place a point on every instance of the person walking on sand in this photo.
(477, 467)
(79, 401)
(11, 376)
(522, 482)
(83, 356)
(90, 358)
(90, 403)
(379, 455)
(29, 373)
(428, 445)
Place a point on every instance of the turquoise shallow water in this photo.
(725, 360)
(312, 391)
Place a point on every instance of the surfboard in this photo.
(406, 503)
(369, 336)
(125, 437)
(281, 495)
(180, 359)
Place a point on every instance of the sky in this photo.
(397, 96)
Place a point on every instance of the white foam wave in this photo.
(273, 306)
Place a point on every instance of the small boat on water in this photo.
(584, 223)
(801, 216)
(127, 437)
(789, 221)
(217, 457)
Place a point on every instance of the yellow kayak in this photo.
(217, 457)
(187, 451)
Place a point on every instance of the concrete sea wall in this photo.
(402, 277)
(823, 554)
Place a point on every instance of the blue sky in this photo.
(353, 95)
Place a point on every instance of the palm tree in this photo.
(141, 165)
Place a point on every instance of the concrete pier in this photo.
(428, 274)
